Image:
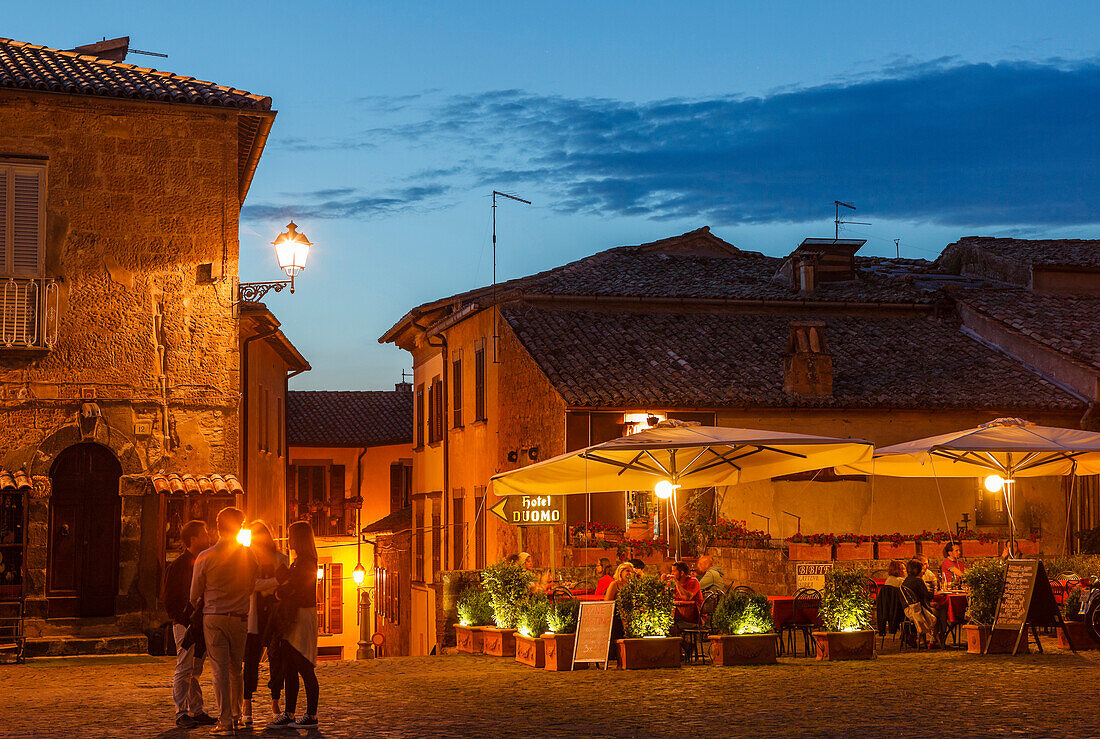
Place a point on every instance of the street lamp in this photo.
(359, 574)
(291, 251)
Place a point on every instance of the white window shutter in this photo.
(27, 222)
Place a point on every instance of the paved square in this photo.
(943, 694)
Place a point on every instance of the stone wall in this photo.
(393, 554)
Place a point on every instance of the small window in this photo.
(479, 384)
(458, 532)
(456, 392)
(435, 411)
(22, 215)
(418, 539)
(400, 485)
(330, 599)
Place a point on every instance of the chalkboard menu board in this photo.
(593, 640)
(1026, 601)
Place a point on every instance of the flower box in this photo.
(649, 652)
(469, 638)
(498, 642)
(976, 638)
(973, 548)
(1078, 634)
(742, 649)
(1028, 548)
(810, 552)
(844, 645)
(849, 550)
(904, 550)
(558, 651)
(530, 650)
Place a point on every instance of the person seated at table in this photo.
(708, 574)
(548, 581)
(952, 565)
(927, 574)
(930, 618)
(688, 598)
(623, 572)
(638, 565)
(1011, 550)
(895, 573)
(603, 572)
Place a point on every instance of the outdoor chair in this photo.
(1070, 577)
(744, 589)
(879, 575)
(696, 639)
(872, 590)
(889, 613)
(806, 602)
(561, 593)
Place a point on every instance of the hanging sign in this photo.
(1026, 601)
(811, 575)
(593, 640)
(531, 510)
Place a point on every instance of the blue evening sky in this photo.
(624, 122)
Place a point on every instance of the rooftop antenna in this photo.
(406, 372)
(897, 247)
(838, 222)
(148, 53)
(496, 335)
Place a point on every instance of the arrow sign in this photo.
(530, 510)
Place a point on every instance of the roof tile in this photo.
(349, 417)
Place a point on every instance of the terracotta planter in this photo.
(905, 550)
(1078, 634)
(558, 651)
(841, 645)
(973, 548)
(650, 652)
(498, 642)
(468, 638)
(810, 552)
(743, 649)
(607, 536)
(849, 550)
(530, 650)
(1028, 548)
(976, 638)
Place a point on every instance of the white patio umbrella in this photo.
(683, 456)
(999, 451)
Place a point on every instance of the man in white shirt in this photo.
(224, 577)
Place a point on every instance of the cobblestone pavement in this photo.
(941, 694)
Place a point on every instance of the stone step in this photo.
(67, 646)
(85, 628)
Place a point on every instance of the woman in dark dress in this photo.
(915, 588)
(270, 560)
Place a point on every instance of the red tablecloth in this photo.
(956, 605)
(783, 610)
(590, 596)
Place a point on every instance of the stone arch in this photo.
(97, 430)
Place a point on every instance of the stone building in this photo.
(821, 341)
(120, 373)
(350, 466)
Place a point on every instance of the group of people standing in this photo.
(231, 602)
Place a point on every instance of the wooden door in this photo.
(85, 518)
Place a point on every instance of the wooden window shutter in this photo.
(420, 415)
(479, 385)
(335, 483)
(5, 218)
(26, 229)
(397, 485)
(336, 598)
(456, 392)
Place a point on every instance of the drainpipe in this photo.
(446, 443)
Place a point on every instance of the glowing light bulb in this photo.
(244, 536)
(994, 483)
(664, 489)
(359, 574)
(321, 572)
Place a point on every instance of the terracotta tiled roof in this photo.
(18, 480)
(176, 484)
(26, 66)
(397, 521)
(1069, 325)
(728, 360)
(1067, 253)
(349, 417)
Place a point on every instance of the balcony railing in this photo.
(28, 312)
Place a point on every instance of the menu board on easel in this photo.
(1026, 602)
(593, 640)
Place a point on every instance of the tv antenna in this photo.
(838, 222)
(897, 247)
(496, 335)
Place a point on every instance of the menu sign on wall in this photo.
(593, 640)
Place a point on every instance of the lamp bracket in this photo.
(253, 292)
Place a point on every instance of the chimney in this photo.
(807, 273)
(113, 49)
(403, 387)
(807, 367)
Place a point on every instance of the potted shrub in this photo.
(561, 627)
(1075, 626)
(984, 581)
(745, 631)
(506, 584)
(645, 607)
(854, 546)
(896, 546)
(846, 612)
(530, 624)
(474, 612)
(810, 547)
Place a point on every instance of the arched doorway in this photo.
(85, 517)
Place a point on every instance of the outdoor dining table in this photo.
(956, 605)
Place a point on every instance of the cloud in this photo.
(938, 141)
(346, 202)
